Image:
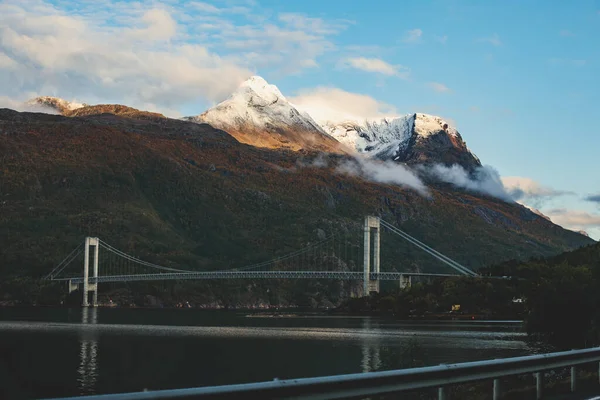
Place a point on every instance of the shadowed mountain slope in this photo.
(190, 196)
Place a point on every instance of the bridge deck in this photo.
(341, 275)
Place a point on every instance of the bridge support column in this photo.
(369, 285)
(87, 286)
(405, 281)
(72, 286)
(95, 275)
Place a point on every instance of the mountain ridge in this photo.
(57, 104)
(416, 138)
(182, 194)
(258, 114)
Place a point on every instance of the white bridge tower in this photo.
(371, 225)
(87, 285)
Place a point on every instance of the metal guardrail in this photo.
(380, 383)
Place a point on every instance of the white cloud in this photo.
(493, 40)
(205, 7)
(574, 219)
(485, 179)
(162, 57)
(159, 26)
(526, 190)
(377, 65)
(413, 35)
(294, 45)
(77, 56)
(6, 62)
(333, 104)
(212, 9)
(314, 25)
(439, 87)
(387, 172)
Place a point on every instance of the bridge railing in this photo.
(385, 382)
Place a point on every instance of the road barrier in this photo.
(384, 382)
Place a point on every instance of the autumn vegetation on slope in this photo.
(189, 196)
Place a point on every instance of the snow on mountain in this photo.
(258, 114)
(415, 138)
(54, 103)
(373, 137)
(427, 125)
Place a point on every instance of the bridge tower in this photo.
(372, 225)
(87, 285)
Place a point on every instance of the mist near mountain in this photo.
(484, 179)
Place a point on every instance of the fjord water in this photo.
(67, 352)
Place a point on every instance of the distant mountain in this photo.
(412, 139)
(112, 109)
(59, 105)
(258, 114)
(541, 214)
(187, 195)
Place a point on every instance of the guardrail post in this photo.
(598, 372)
(539, 385)
(442, 393)
(496, 389)
(573, 379)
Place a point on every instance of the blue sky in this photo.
(520, 79)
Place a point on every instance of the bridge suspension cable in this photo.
(284, 257)
(126, 256)
(448, 261)
(112, 265)
(65, 262)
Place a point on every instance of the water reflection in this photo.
(370, 346)
(88, 352)
(193, 348)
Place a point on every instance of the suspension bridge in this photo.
(330, 258)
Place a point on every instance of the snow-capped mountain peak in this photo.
(372, 136)
(258, 114)
(426, 125)
(256, 85)
(414, 138)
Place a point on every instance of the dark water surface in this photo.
(67, 352)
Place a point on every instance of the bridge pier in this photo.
(87, 286)
(370, 286)
(405, 281)
(72, 286)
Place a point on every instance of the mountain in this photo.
(187, 195)
(541, 214)
(111, 110)
(59, 105)
(258, 114)
(412, 139)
